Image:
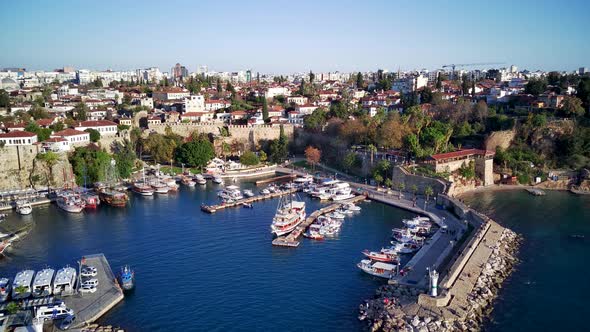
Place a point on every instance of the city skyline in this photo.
(294, 37)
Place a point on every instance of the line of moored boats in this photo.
(407, 240)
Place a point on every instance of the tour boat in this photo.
(378, 269)
(23, 208)
(402, 248)
(42, 283)
(200, 179)
(21, 286)
(289, 215)
(344, 211)
(416, 221)
(324, 196)
(405, 235)
(113, 197)
(335, 215)
(4, 289)
(217, 179)
(160, 188)
(64, 282)
(352, 207)
(91, 200)
(127, 278)
(304, 179)
(187, 181)
(142, 188)
(248, 193)
(340, 196)
(70, 202)
(386, 257)
(171, 183)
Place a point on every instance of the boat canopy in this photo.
(384, 266)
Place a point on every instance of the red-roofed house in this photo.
(56, 144)
(14, 127)
(452, 161)
(73, 136)
(104, 127)
(215, 104)
(171, 93)
(18, 138)
(238, 115)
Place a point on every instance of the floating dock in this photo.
(240, 202)
(89, 307)
(291, 240)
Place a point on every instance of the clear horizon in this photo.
(286, 37)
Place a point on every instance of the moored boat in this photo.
(377, 269)
(70, 201)
(127, 278)
(187, 181)
(200, 179)
(42, 284)
(217, 179)
(142, 188)
(23, 208)
(288, 216)
(4, 289)
(64, 282)
(21, 286)
(387, 257)
(113, 197)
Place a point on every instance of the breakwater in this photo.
(471, 280)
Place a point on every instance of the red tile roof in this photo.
(17, 134)
(97, 123)
(69, 132)
(461, 153)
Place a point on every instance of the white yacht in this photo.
(200, 179)
(401, 248)
(289, 215)
(21, 286)
(64, 281)
(4, 289)
(23, 208)
(217, 179)
(304, 179)
(351, 207)
(234, 192)
(160, 187)
(42, 284)
(378, 269)
(418, 221)
(248, 193)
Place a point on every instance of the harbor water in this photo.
(548, 290)
(196, 271)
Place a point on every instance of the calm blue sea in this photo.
(216, 272)
(549, 289)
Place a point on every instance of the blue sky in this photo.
(287, 36)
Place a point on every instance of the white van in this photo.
(54, 312)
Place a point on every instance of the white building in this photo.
(104, 127)
(56, 144)
(299, 100)
(74, 137)
(147, 102)
(194, 103)
(215, 104)
(18, 138)
(171, 93)
(276, 91)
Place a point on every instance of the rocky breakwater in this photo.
(396, 308)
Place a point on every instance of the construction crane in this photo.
(470, 65)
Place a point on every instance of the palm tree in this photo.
(225, 149)
(428, 192)
(372, 149)
(401, 188)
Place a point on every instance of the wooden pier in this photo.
(276, 178)
(291, 240)
(248, 200)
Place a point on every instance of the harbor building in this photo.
(452, 161)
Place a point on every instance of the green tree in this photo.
(572, 106)
(372, 150)
(265, 110)
(80, 111)
(582, 92)
(388, 183)
(249, 158)
(359, 80)
(279, 148)
(49, 159)
(196, 153)
(4, 98)
(160, 147)
(38, 112)
(427, 192)
(535, 86)
(94, 135)
(350, 161)
(338, 109)
(378, 178)
(414, 191)
(401, 187)
(90, 162)
(124, 154)
(262, 156)
(316, 120)
(13, 307)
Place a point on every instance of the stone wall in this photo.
(19, 167)
(400, 175)
(250, 135)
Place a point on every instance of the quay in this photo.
(276, 178)
(240, 202)
(91, 306)
(291, 240)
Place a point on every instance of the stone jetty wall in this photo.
(401, 175)
(467, 290)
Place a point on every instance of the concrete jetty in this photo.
(291, 240)
(216, 207)
(275, 179)
(89, 307)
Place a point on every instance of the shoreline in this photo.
(508, 187)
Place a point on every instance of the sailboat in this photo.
(142, 187)
(289, 215)
(108, 193)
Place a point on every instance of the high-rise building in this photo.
(582, 71)
(178, 72)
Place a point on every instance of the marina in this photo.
(248, 200)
